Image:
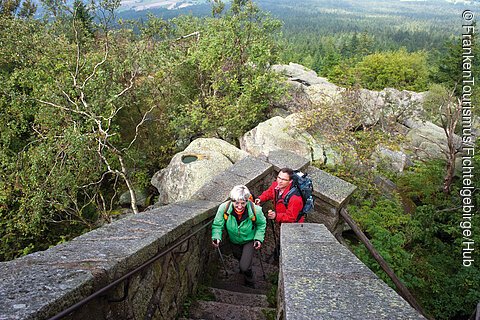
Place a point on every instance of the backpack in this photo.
(302, 185)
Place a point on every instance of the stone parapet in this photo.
(329, 188)
(331, 194)
(321, 279)
(249, 171)
(40, 285)
(282, 158)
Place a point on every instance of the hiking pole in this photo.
(261, 264)
(223, 261)
(275, 249)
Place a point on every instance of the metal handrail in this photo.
(403, 291)
(101, 291)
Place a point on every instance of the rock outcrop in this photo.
(391, 160)
(217, 145)
(298, 74)
(401, 111)
(280, 133)
(428, 141)
(190, 169)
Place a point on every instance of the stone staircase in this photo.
(231, 299)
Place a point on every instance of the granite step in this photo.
(239, 298)
(233, 299)
(234, 281)
(214, 310)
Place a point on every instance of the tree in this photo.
(222, 74)
(396, 69)
(448, 64)
(81, 102)
(61, 145)
(449, 70)
(81, 13)
(444, 107)
(22, 9)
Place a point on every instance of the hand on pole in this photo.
(271, 214)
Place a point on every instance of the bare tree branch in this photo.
(196, 33)
(137, 128)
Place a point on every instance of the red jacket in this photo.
(284, 214)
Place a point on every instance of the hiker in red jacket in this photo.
(277, 192)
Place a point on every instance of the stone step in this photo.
(234, 281)
(238, 298)
(213, 310)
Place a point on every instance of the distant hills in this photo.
(139, 5)
(138, 9)
(197, 7)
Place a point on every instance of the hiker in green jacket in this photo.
(245, 224)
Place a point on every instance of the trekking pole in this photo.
(261, 264)
(223, 261)
(275, 249)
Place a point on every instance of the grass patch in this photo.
(272, 278)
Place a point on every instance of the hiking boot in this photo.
(249, 283)
(249, 278)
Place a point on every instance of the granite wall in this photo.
(320, 278)
(43, 284)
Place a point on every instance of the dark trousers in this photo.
(244, 253)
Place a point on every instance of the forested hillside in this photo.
(324, 34)
(90, 109)
(334, 37)
(318, 33)
(92, 106)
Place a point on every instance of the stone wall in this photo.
(331, 194)
(43, 284)
(321, 279)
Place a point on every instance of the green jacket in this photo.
(242, 232)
